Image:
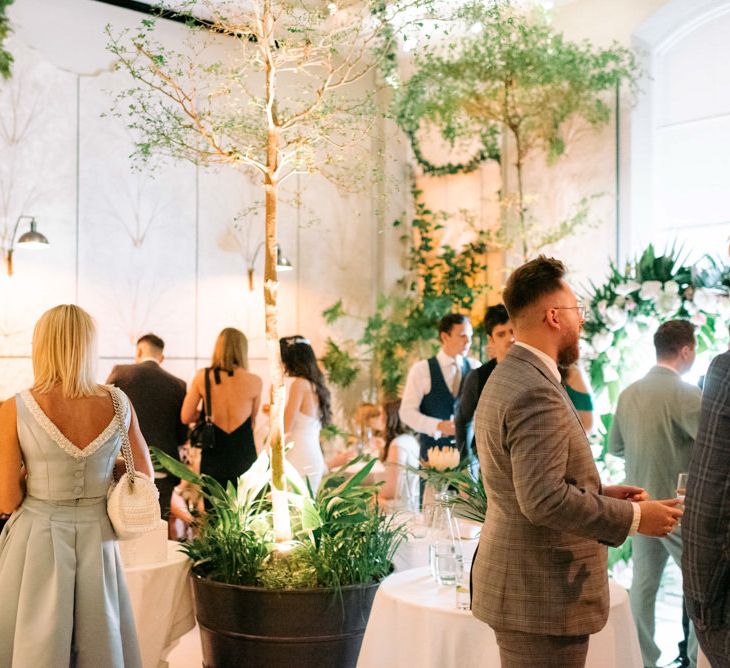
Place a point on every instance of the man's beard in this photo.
(569, 352)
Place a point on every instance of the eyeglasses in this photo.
(580, 308)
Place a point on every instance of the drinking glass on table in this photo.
(681, 491)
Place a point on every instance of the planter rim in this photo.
(310, 590)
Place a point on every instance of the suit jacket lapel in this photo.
(529, 357)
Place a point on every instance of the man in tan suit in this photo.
(540, 577)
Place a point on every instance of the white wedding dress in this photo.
(306, 453)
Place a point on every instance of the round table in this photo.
(415, 622)
(163, 604)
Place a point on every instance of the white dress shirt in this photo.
(418, 385)
(552, 365)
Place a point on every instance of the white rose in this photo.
(614, 356)
(630, 304)
(442, 459)
(615, 318)
(602, 341)
(627, 288)
(668, 303)
(632, 330)
(706, 300)
(609, 374)
(698, 319)
(650, 290)
(601, 307)
(723, 306)
(671, 286)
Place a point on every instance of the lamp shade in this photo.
(33, 238)
(282, 263)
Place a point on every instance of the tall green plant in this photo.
(439, 279)
(510, 75)
(283, 101)
(6, 58)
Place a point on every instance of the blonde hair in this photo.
(231, 350)
(64, 351)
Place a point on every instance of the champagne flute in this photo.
(681, 491)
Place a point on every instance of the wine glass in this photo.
(681, 491)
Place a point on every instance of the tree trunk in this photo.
(521, 197)
(280, 503)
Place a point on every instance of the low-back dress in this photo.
(62, 588)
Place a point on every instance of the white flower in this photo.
(630, 304)
(587, 351)
(671, 287)
(723, 306)
(706, 300)
(650, 290)
(650, 321)
(609, 374)
(632, 331)
(615, 318)
(602, 341)
(698, 319)
(614, 356)
(668, 302)
(627, 288)
(442, 459)
(601, 307)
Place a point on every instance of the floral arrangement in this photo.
(442, 459)
(633, 303)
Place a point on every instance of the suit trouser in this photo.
(650, 556)
(716, 646)
(529, 650)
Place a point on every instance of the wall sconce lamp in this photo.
(30, 239)
(282, 263)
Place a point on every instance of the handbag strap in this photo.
(126, 446)
(207, 406)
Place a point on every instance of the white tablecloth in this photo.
(413, 552)
(162, 599)
(414, 622)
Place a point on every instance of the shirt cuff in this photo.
(637, 519)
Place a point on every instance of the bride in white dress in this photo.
(307, 408)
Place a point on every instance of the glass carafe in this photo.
(445, 554)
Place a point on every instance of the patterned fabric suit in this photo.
(706, 522)
(540, 567)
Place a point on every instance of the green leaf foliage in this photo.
(340, 536)
(6, 58)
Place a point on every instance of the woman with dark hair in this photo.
(235, 394)
(400, 490)
(308, 408)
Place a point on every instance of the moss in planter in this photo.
(288, 570)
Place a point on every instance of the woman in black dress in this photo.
(235, 396)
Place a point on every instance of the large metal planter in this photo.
(267, 628)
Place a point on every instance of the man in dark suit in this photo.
(500, 338)
(706, 523)
(157, 397)
(539, 577)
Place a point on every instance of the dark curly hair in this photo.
(300, 362)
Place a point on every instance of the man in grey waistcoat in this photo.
(654, 430)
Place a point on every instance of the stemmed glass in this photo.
(681, 491)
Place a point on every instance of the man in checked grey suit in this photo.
(540, 576)
(706, 525)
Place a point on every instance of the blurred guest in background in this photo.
(235, 396)
(500, 338)
(157, 397)
(654, 429)
(433, 385)
(308, 408)
(400, 490)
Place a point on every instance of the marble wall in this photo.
(164, 251)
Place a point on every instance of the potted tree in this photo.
(302, 602)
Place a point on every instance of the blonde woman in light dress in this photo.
(62, 588)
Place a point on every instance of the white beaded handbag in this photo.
(133, 502)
